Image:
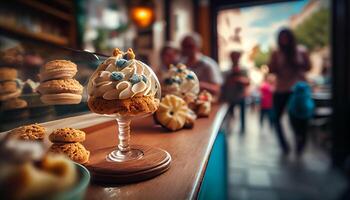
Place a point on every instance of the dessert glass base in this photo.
(124, 152)
(125, 163)
(119, 156)
(152, 163)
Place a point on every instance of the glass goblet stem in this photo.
(124, 135)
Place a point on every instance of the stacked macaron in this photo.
(67, 141)
(57, 85)
(9, 90)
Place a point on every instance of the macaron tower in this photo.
(9, 90)
(57, 85)
(123, 85)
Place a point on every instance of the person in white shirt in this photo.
(206, 69)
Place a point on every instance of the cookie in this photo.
(67, 135)
(29, 132)
(13, 104)
(75, 151)
(8, 74)
(61, 99)
(11, 95)
(8, 87)
(133, 105)
(60, 86)
(58, 69)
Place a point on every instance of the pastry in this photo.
(173, 113)
(190, 119)
(203, 104)
(67, 135)
(13, 104)
(29, 132)
(40, 179)
(61, 99)
(58, 69)
(8, 87)
(181, 82)
(64, 91)
(10, 95)
(75, 151)
(58, 86)
(203, 109)
(8, 74)
(133, 105)
(12, 55)
(123, 85)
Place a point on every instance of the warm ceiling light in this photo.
(142, 16)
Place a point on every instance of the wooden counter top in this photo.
(189, 149)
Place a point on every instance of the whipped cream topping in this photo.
(180, 81)
(119, 78)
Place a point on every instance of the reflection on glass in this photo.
(20, 63)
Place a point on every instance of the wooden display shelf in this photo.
(44, 37)
(189, 149)
(46, 9)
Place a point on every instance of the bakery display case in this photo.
(52, 95)
(24, 60)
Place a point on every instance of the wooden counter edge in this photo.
(219, 118)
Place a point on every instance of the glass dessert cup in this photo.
(124, 151)
(125, 89)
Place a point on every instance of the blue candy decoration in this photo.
(168, 81)
(179, 70)
(190, 76)
(121, 63)
(134, 79)
(144, 78)
(117, 76)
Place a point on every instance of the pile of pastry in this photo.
(57, 85)
(31, 171)
(65, 141)
(182, 103)
(10, 90)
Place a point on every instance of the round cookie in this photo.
(61, 86)
(58, 69)
(12, 104)
(134, 105)
(29, 132)
(173, 113)
(6, 96)
(67, 135)
(8, 74)
(61, 99)
(8, 86)
(75, 151)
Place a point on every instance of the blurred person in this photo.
(266, 96)
(289, 63)
(169, 55)
(234, 89)
(300, 110)
(254, 98)
(206, 69)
